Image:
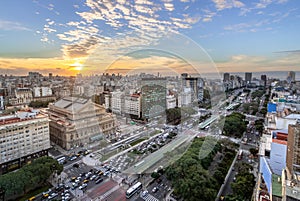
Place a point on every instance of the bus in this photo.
(133, 189)
(61, 160)
(240, 156)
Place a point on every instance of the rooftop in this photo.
(276, 185)
(19, 117)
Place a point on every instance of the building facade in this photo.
(248, 77)
(132, 106)
(23, 96)
(78, 122)
(153, 97)
(293, 149)
(117, 102)
(24, 136)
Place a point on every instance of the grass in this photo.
(110, 154)
(155, 133)
(35, 192)
(137, 141)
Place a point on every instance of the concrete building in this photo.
(117, 102)
(248, 77)
(293, 149)
(291, 76)
(132, 106)
(171, 101)
(24, 136)
(23, 96)
(153, 92)
(226, 77)
(78, 122)
(42, 91)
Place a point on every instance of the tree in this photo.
(29, 177)
(235, 125)
(173, 116)
(253, 151)
(243, 185)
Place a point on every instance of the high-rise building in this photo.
(264, 79)
(117, 102)
(248, 77)
(226, 77)
(153, 91)
(23, 137)
(132, 106)
(291, 76)
(196, 85)
(293, 149)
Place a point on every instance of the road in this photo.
(153, 158)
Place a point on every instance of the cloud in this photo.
(288, 61)
(227, 4)
(141, 19)
(10, 25)
(289, 51)
(264, 3)
(248, 27)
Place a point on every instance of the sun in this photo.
(77, 66)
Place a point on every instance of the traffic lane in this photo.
(163, 188)
(75, 172)
(117, 195)
(102, 188)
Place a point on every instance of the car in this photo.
(144, 193)
(98, 181)
(72, 158)
(85, 181)
(53, 195)
(73, 179)
(46, 194)
(155, 189)
(97, 177)
(93, 177)
(76, 165)
(66, 187)
(84, 185)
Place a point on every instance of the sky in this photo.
(93, 36)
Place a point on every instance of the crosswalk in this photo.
(149, 197)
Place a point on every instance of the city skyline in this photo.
(228, 36)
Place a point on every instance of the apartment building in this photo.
(24, 137)
(132, 106)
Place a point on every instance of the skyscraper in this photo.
(264, 79)
(226, 77)
(153, 97)
(291, 76)
(293, 149)
(248, 77)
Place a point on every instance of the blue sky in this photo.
(261, 35)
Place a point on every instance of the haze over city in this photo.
(59, 36)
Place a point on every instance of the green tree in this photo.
(244, 185)
(29, 177)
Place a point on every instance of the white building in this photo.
(24, 136)
(42, 91)
(186, 97)
(132, 105)
(171, 101)
(117, 102)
